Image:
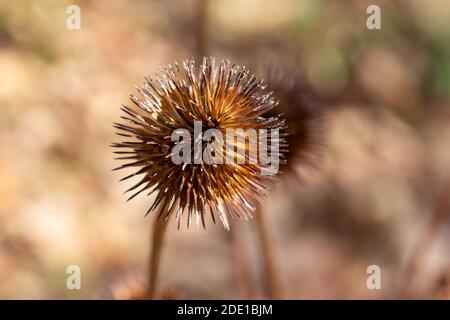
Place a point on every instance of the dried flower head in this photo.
(304, 115)
(218, 96)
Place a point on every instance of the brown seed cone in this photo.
(220, 96)
(303, 111)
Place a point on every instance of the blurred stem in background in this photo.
(156, 245)
(269, 265)
(240, 257)
(200, 29)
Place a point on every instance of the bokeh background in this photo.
(379, 195)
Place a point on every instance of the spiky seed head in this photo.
(304, 114)
(220, 96)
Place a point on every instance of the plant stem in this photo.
(159, 230)
(270, 270)
(200, 29)
(242, 271)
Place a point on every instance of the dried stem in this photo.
(159, 230)
(200, 29)
(270, 270)
(242, 270)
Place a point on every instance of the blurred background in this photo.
(380, 194)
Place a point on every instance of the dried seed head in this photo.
(218, 96)
(302, 110)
